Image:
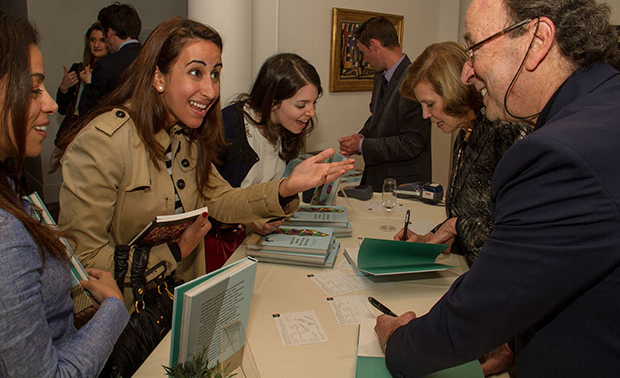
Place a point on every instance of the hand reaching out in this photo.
(266, 229)
(312, 172)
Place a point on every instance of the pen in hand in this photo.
(381, 307)
(406, 228)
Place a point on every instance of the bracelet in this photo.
(175, 250)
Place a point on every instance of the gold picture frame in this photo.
(348, 73)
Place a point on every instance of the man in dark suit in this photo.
(547, 280)
(122, 25)
(395, 140)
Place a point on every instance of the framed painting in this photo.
(348, 72)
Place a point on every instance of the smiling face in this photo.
(193, 84)
(96, 41)
(433, 108)
(40, 108)
(295, 113)
(496, 62)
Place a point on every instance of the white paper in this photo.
(334, 283)
(299, 328)
(421, 227)
(368, 343)
(350, 310)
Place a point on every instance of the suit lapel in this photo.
(378, 106)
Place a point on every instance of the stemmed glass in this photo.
(388, 197)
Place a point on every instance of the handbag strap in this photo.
(138, 277)
(121, 256)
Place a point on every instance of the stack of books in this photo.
(310, 246)
(334, 217)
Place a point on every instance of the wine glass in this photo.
(388, 197)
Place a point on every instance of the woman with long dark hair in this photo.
(36, 311)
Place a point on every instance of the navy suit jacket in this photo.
(106, 76)
(397, 140)
(548, 276)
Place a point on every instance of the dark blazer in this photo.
(397, 140)
(549, 273)
(106, 75)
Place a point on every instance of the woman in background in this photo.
(74, 79)
(264, 130)
(434, 79)
(36, 311)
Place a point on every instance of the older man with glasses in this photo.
(547, 281)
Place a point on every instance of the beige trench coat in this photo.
(111, 190)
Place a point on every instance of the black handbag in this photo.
(152, 316)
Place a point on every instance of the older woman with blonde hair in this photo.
(433, 79)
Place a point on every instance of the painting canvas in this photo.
(348, 71)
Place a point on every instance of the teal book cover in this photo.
(315, 240)
(379, 257)
(328, 216)
(203, 312)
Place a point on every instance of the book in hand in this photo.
(370, 362)
(379, 257)
(166, 228)
(81, 298)
(212, 311)
(322, 216)
(296, 258)
(311, 240)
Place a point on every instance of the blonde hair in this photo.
(440, 64)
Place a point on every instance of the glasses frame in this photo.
(471, 49)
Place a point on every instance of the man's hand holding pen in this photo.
(386, 325)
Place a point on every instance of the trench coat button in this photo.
(180, 184)
(120, 114)
(185, 163)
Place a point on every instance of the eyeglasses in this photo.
(476, 46)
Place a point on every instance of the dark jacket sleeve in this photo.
(544, 251)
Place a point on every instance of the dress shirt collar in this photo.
(126, 43)
(387, 74)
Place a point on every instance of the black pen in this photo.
(407, 215)
(381, 307)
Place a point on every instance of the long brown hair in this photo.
(16, 37)
(280, 78)
(137, 95)
(88, 58)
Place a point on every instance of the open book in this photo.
(166, 228)
(81, 298)
(379, 257)
(370, 361)
(212, 311)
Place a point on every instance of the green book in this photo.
(213, 311)
(313, 240)
(379, 257)
(371, 359)
(322, 216)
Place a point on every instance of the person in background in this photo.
(121, 25)
(37, 329)
(395, 141)
(74, 79)
(434, 79)
(547, 278)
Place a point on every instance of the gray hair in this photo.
(583, 31)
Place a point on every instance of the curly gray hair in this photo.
(583, 31)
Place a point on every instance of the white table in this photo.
(286, 288)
